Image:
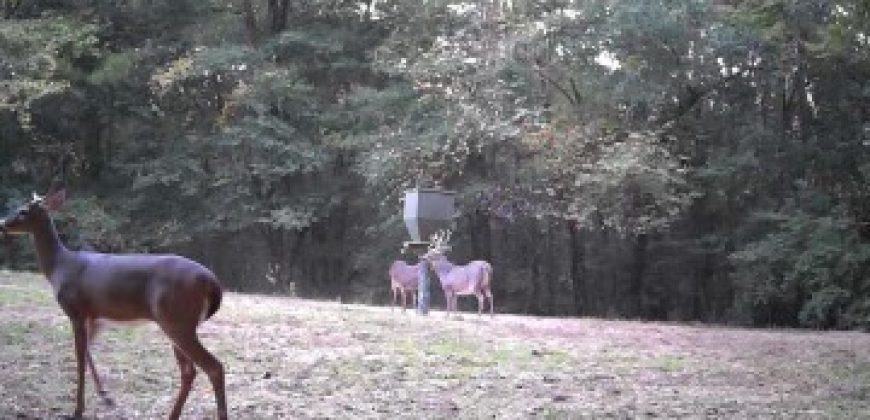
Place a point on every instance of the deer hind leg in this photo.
(186, 340)
(447, 302)
(412, 297)
(480, 302)
(491, 303)
(188, 373)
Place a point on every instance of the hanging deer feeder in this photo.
(427, 211)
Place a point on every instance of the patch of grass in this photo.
(560, 414)
(14, 296)
(618, 361)
(555, 358)
(265, 312)
(853, 379)
(670, 363)
(16, 332)
(407, 347)
(133, 333)
(28, 332)
(512, 355)
(525, 356)
(25, 289)
(452, 347)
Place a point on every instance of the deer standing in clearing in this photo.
(404, 280)
(474, 278)
(176, 293)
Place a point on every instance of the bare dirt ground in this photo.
(292, 358)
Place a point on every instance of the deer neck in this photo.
(49, 249)
(442, 266)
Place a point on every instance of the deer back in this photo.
(462, 279)
(130, 286)
(404, 274)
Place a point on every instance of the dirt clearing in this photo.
(292, 358)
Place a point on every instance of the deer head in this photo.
(30, 216)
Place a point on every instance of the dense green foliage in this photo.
(701, 160)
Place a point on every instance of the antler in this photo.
(438, 242)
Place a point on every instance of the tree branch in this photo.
(564, 91)
(692, 96)
(576, 91)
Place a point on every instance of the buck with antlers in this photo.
(404, 280)
(176, 293)
(474, 278)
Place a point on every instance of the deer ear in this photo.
(54, 200)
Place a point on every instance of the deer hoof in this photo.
(107, 400)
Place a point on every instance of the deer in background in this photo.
(474, 278)
(404, 280)
(176, 293)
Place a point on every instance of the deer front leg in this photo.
(450, 298)
(81, 346)
(404, 299)
(93, 327)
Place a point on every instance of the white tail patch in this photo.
(204, 314)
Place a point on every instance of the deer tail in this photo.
(214, 299)
(487, 276)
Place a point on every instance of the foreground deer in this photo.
(474, 278)
(176, 293)
(404, 279)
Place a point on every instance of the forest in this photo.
(700, 160)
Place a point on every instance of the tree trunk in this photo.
(578, 267)
(10, 7)
(550, 270)
(480, 236)
(532, 299)
(278, 15)
(486, 241)
(250, 19)
(637, 274)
